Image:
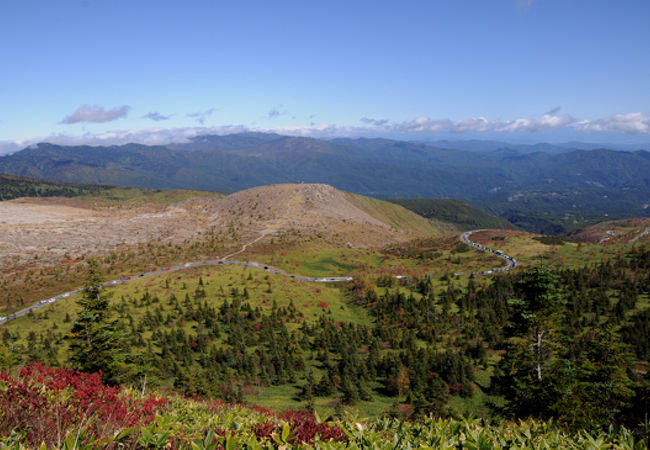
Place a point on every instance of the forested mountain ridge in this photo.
(12, 187)
(537, 191)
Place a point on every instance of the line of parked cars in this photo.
(512, 262)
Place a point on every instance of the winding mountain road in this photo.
(512, 262)
(214, 262)
(254, 265)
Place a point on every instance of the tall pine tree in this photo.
(533, 341)
(93, 339)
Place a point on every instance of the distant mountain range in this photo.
(477, 145)
(538, 191)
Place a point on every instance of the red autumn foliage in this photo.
(323, 305)
(261, 409)
(49, 402)
(264, 430)
(304, 428)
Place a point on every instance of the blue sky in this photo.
(154, 71)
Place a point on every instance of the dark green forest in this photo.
(14, 187)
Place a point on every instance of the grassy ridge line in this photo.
(457, 212)
(401, 217)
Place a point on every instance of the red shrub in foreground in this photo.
(304, 428)
(304, 425)
(264, 430)
(261, 409)
(48, 402)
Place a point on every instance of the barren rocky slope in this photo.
(51, 228)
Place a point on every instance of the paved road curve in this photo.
(512, 262)
(254, 265)
(214, 262)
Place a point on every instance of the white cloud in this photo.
(473, 124)
(156, 116)
(476, 124)
(317, 130)
(630, 123)
(420, 125)
(546, 122)
(96, 114)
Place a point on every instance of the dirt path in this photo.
(263, 234)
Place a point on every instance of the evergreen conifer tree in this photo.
(93, 340)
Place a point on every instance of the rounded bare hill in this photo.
(321, 210)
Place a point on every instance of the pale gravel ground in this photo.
(50, 229)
